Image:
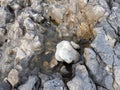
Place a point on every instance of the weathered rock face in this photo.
(65, 52)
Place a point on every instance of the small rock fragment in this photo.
(13, 77)
(65, 52)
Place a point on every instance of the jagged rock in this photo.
(81, 81)
(65, 52)
(30, 84)
(55, 84)
(13, 77)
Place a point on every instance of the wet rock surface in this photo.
(59, 45)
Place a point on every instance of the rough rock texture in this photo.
(55, 84)
(59, 44)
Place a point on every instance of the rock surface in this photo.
(55, 84)
(59, 44)
(81, 81)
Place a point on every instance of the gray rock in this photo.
(13, 77)
(114, 18)
(81, 81)
(5, 16)
(97, 69)
(65, 52)
(102, 47)
(117, 50)
(30, 84)
(5, 86)
(101, 88)
(55, 84)
(36, 5)
(44, 78)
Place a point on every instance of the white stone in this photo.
(65, 52)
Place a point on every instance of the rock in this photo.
(64, 71)
(81, 81)
(117, 50)
(101, 88)
(55, 84)
(53, 63)
(102, 47)
(5, 86)
(75, 46)
(30, 43)
(30, 84)
(97, 69)
(20, 54)
(36, 5)
(65, 52)
(44, 78)
(56, 13)
(29, 24)
(13, 77)
(5, 16)
(94, 13)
